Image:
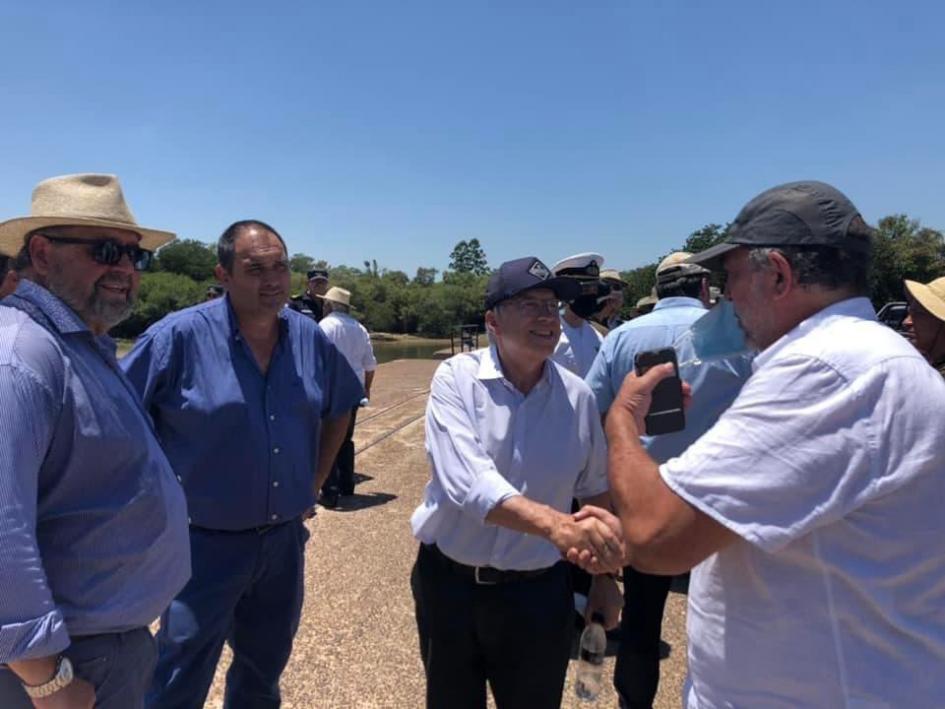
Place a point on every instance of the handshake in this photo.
(592, 538)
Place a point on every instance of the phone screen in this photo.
(666, 414)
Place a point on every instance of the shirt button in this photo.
(180, 479)
(272, 417)
(274, 517)
(276, 451)
(275, 483)
(189, 521)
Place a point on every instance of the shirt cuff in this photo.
(489, 490)
(31, 639)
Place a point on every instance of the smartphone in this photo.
(666, 413)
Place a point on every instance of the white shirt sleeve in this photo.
(368, 362)
(795, 451)
(460, 465)
(593, 479)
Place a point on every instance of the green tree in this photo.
(425, 276)
(469, 257)
(704, 238)
(160, 293)
(188, 257)
(301, 263)
(903, 248)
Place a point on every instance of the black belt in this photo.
(485, 575)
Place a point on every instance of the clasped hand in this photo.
(591, 538)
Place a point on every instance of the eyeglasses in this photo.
(108, 252)
(533, 308)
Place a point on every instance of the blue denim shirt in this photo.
(243, 443)
(714, 384)
(93, 525)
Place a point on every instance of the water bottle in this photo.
(590, 669)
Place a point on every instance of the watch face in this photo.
(65, 670)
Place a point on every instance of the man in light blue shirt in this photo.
(251, 402)
(93, 525)
(512, 437)
(683, 293)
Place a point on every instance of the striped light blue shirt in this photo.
(93, 525)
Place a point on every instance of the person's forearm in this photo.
(36, 671)
(523, 515)
(332, 436)
(368, 381)
(632, 474)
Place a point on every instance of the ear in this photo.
(39, 248)
(223, 276)
(491, 321)
(782, 274)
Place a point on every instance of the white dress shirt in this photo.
(830, 466)
(486, 442)
(352, 340)
(577, 347)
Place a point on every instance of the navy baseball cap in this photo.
(522, 274)
(318, 273)
(806, 213)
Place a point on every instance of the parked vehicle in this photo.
(892, 314)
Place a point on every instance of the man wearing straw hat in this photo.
(353, 341)
(93, 525)
(927, 320)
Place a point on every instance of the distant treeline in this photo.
(392, 301)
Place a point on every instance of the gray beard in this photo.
(93, 308)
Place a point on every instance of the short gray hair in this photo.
(826, 266)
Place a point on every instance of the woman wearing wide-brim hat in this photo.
(927, 319)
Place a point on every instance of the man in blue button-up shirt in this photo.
(683, 292)
(251, 402)
(93, 526)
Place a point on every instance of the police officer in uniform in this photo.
(579, 341)
(310, 302)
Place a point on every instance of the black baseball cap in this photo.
(522, 274)
(317, 273)
(807, 213)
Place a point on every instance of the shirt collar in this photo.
(858, 307)
(490, 367)
(678, 301)
(60, 315)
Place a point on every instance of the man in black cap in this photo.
(512, 437)
(309, 303)
(811, 512)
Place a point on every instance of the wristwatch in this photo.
(62, 678)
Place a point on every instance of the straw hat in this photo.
(930, 296)
(337, 295)
(78, 200)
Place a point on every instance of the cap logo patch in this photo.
(539, 270)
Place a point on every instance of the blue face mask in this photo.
(718, 334)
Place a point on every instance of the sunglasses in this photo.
(108, 252)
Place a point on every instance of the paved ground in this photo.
(357, 646)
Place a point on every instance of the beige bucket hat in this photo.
(931, 296)
(337, 295)
(78, 200)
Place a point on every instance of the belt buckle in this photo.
(479, 581)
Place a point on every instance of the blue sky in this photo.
(391, 130)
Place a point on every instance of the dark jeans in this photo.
(637, 672)
(118, 665)
(341, 478)
(516, 636)
(246, 588)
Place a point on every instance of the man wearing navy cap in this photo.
(811, 512)
(310, 303)
(512, 437)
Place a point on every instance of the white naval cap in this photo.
(585, 265)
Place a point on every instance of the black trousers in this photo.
(637, 672)
(516, 636)
(341, 478)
